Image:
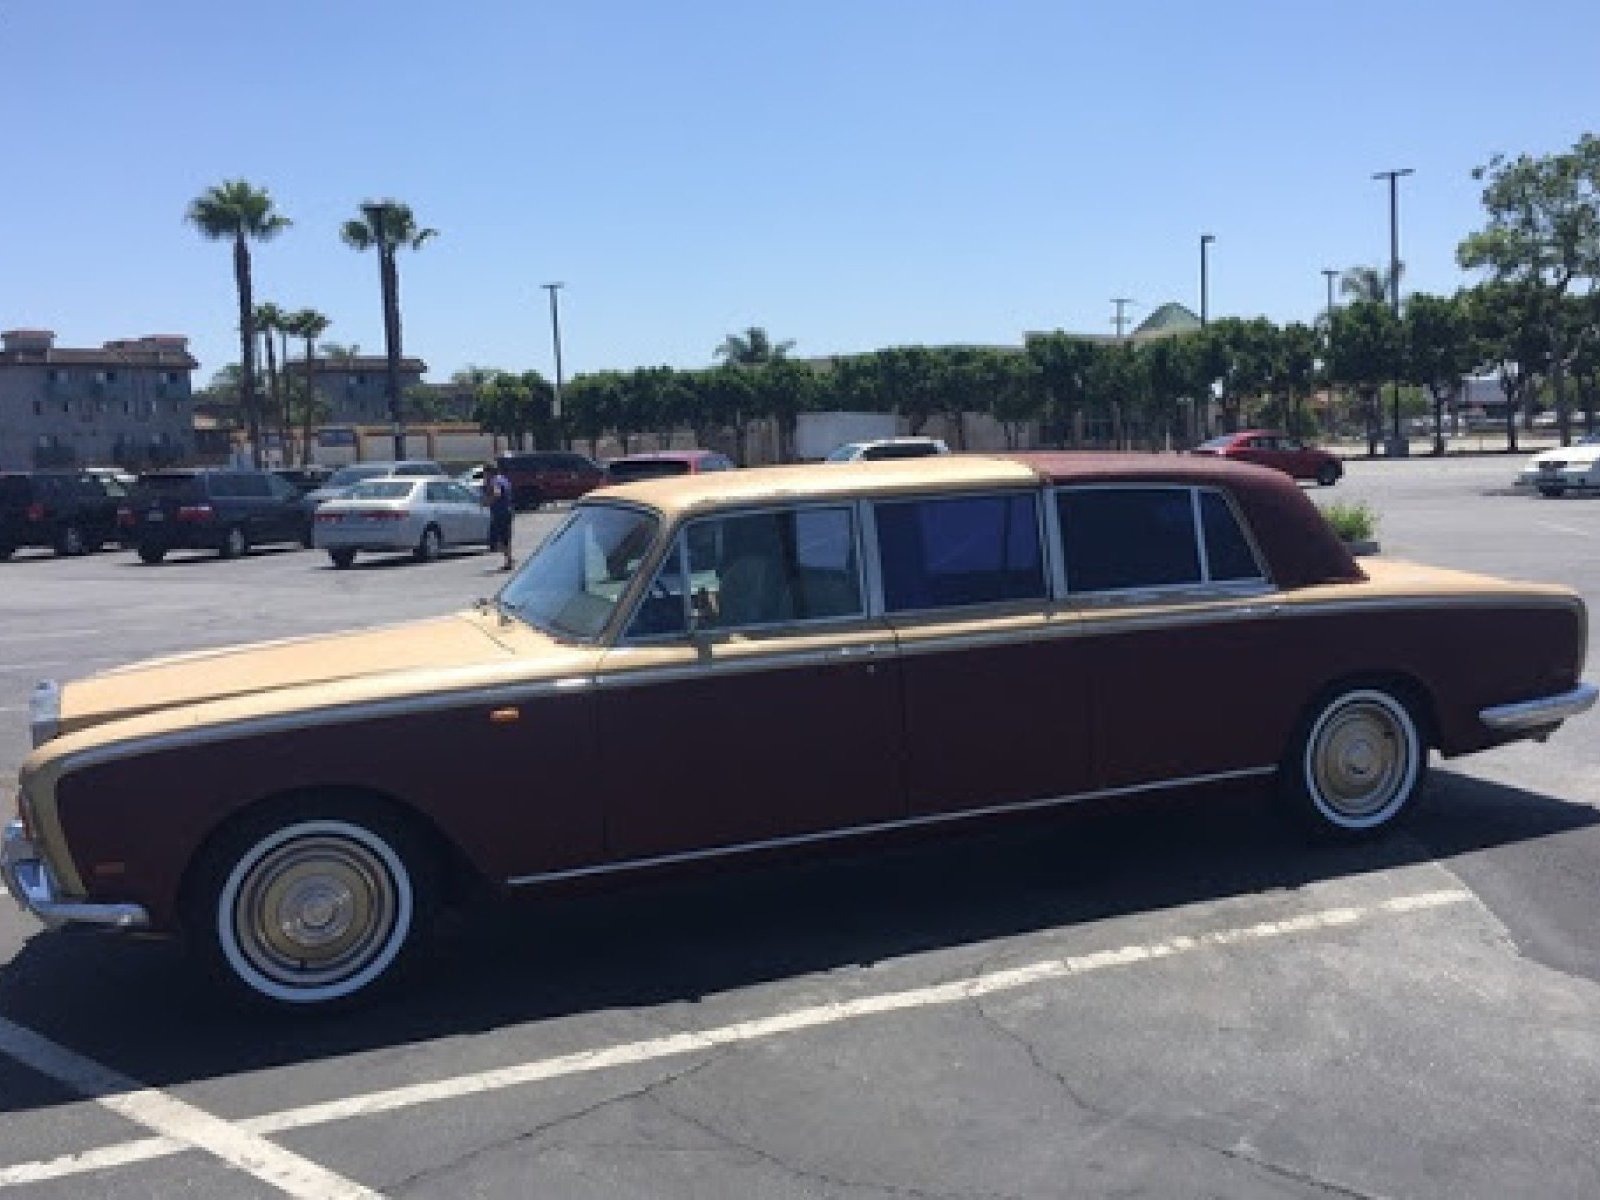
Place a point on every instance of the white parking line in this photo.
(675, 1045)
(183, 1124)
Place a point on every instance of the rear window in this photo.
(1124, 538)
(900, 450)
(964, 550)
(348, 476)
(170, 485)
(382, 489)
(631, 470)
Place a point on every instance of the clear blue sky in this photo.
(847, 173)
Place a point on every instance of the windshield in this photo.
(346, 476)
(383, 489)
(573, 583)
(844, 453)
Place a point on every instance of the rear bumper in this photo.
(27, 877)
(1543, 713)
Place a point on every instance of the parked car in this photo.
(223, 510)
(72, 512)
(341, 481)
(1574, 468)
(882, 448)
(631, 468)
(545, 476)
(422, 516)
(968, 636)
(1272, 448)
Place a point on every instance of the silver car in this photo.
(420, 515)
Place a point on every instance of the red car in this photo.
(1274, 448)
(542, 476)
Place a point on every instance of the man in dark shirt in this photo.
(497, 498)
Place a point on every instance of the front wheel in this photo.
(1356, 765)
(234, 543)
(71, 542)
(428, 548)
(309, 904)
(1552, 492)
(151, 553)
(342, 558)
(1327, 475)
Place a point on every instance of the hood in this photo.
(461, 641)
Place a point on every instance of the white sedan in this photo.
(1574, 468)
(420, 515)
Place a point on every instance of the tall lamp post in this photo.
(1330, 274)
(1205, 279)
(1397, 447)
(555, 338)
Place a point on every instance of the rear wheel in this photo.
(1356, 765)
(234, 543)
(310, 903)
(6, 550)
(152, 554)
(342, 558)
(1328, 474)
(428, 548)
(1552, 491)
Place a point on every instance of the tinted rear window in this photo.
(647, 468)
(382, 489)
(1128, 537)
(170, 485)
(347, 476)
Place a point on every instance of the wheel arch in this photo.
(1408, 688)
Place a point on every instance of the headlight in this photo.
(44, 709)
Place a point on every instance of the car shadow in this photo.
(385, 561)
(190, 558)
(133, 1004)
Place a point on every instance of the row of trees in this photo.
(240, 213)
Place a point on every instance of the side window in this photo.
(1228, 553)
(1119, 538)
(254, 486)
(958, 551)
(223, 486)
(757, 569)
(280, 488)
(439, 493)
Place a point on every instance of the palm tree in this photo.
(235, 211)
(386, 225)
(751, 349)
(270, 320)
(1368, 283)
(307, 323)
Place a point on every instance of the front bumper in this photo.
(27, 877)
(1543, 713)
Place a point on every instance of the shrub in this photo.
(1352, 522)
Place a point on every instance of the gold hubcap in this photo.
(1360, 760)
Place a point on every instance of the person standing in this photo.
(497, 499)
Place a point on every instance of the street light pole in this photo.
(1330, 274)
(1120, 320)
(1205, 290)
(555, 338)
(1394, 177)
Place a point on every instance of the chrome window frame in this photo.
(1047, 571)
(1204, 588)
(679, 542)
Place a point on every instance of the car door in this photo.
(754, 699)
(471, 517)
(995, 687)
(1177, 614)
(284, 518)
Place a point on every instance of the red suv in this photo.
(541, 476)
(1274, 448)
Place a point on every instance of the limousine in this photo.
(869, 648)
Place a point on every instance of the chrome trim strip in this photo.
(745, 664)
(1545, 711)
(30, 882)
(801, 839)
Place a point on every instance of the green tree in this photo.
(1064, 364)
(269, 323)
(386, 226)
(752, 348)
(1363, 348)
(1369, 283)
(1293, 373)
(1242, 352)
(309, 325)
(1118, 383)
(1543, 234)
(517, 407)
(1508, 340)
(237, 212)
(1439, 351)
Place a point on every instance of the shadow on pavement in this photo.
(134, 1006)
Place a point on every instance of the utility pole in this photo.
(1396, 446)
(1330, 274)
(1205, 290)
(555, 338)
(1120, 320)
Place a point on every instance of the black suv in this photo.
(225, 511)
(75, 512)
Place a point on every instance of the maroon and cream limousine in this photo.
(849, 650)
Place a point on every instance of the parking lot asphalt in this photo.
(1174, 999)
